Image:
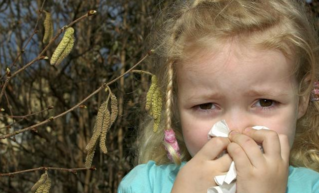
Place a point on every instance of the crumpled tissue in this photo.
(226, 183)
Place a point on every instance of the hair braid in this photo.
(169, 90)
(170, 141)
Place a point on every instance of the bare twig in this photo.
(22, 117)
(29, 39)
(77, 105)
(72, 170)
(142, 72)
(28, 115)
(40, 56)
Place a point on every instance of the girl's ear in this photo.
(304, 98)
(303, 105)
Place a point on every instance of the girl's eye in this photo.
(206, 106)
(265, 103)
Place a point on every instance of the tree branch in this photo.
(77, 105)
(40, 56)
(73, 170)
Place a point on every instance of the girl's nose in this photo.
(238, 120)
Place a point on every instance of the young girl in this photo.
(248, 62)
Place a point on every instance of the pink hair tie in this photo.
(315, 91)
(170, 138)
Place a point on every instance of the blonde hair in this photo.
(271, 24)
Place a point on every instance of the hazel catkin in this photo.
(66, 51)
(150, 93)
(89, 157)
(40, 189)
(156, 112)
(156, 124)
(97, 127)
(105, 126)
(114, 108)
(48, 27)
(94, 138)
(41, 181)
(155, 103)
(108, 120)
(64, 48)
(104, 120)
(47, 186)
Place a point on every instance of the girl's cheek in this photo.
(195, 142)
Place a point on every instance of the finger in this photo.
(239, 157)
(250, 148)
(269, 140)
(285, 147)
(223, 163)
(213, 148)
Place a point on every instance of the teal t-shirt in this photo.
(152, 178)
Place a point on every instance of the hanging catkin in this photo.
(96, 133)
(156, 124)
(40, 189)
(43, 185)
(47, 186)
(48, 27)
(108, 120)
(150, 93)
(103, 121)
(41, 181)
(114, 108)
(64, 47)
(94, 138)
(89, 157)
(154, 103)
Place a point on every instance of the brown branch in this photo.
(142, 72)
(28, 115)
(73, 170)
(77, 105)
(40, 56)
(22, 51)
(22, 117)
(29, 39)
(8, 102)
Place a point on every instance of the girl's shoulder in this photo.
(303, 180)
(150, 177)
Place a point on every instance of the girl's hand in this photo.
(257, 171)
(198, 174)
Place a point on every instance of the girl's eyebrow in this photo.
(266, 92)
(258, 92)
(210, 95)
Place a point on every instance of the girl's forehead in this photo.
(276, 34)
(228, 55)
(210, 46)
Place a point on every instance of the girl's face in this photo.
(240, 84)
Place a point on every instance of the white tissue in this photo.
(226, 183)
(226, 188)
(220, 129)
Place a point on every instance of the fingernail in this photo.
(233, 132)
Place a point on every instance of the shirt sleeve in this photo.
(139, 179)
(315, 188)
(303, 180)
